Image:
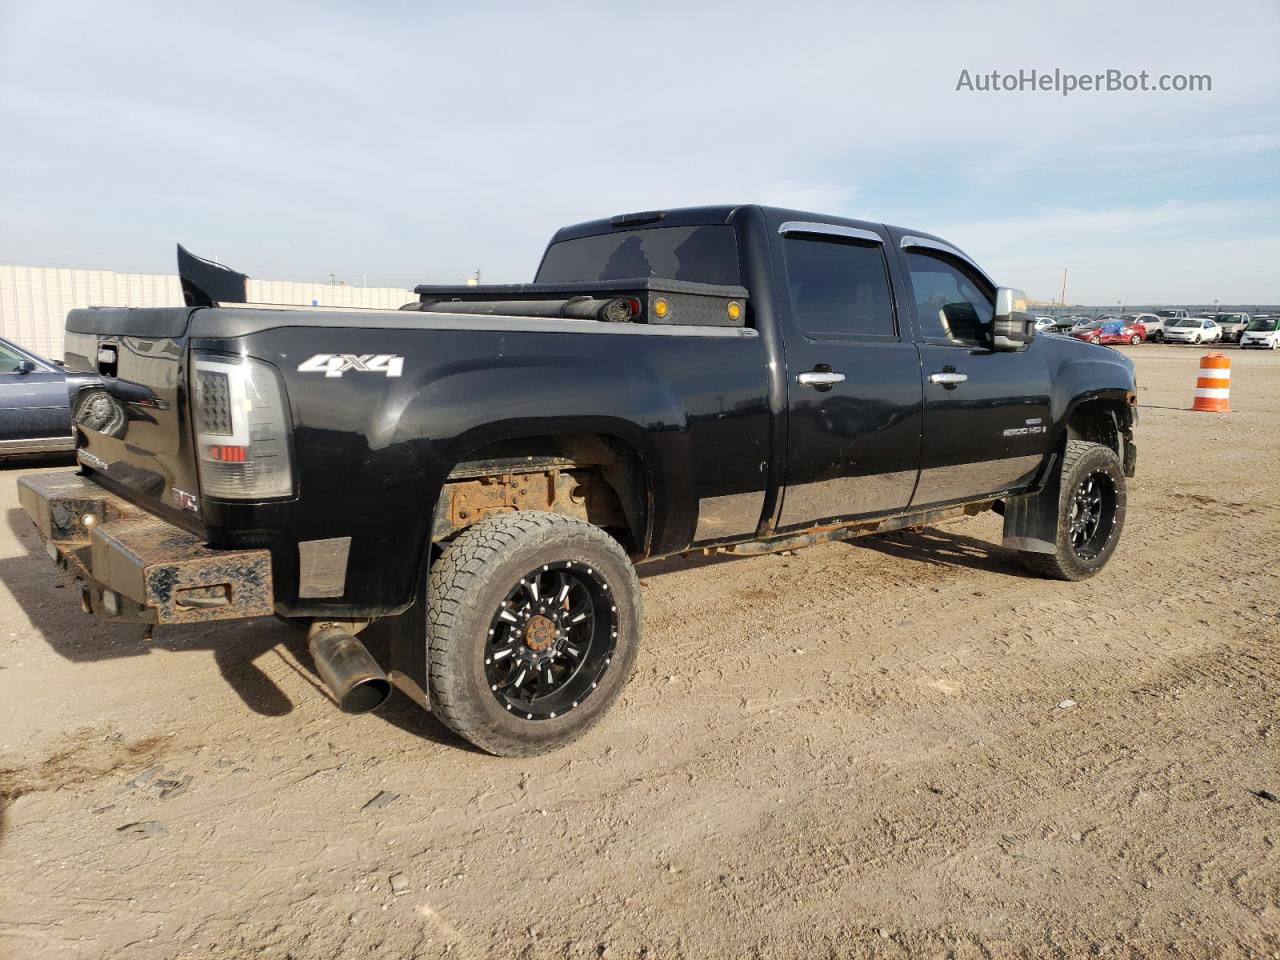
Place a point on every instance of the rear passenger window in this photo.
(839, 288)
(950, 304)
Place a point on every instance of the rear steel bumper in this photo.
(134, 567)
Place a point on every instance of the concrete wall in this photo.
(34, 301)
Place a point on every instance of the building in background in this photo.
(34, 301)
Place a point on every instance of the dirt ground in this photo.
(903, 746)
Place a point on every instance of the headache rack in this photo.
(642, 300)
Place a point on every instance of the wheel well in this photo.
(594, 477)
(1105, 421)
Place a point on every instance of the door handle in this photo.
(819, 378)
(948, 378)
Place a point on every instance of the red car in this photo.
(1111, 331)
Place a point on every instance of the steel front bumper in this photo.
(134, 567)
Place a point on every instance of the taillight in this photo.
(242, 429)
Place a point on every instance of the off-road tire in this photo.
(1082, 460)
(467, 585)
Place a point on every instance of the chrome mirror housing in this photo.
(1012, 328)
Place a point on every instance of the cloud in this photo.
(1175, 251)
(416, 142)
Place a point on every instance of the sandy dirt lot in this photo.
(858, 750)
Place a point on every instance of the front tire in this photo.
(1135, 340)
(1091, 511)
(533, 623)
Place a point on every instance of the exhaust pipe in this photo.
(348, 669)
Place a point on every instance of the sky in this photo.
(402, 143)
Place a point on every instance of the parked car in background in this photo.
(1193, 330)
(1045, 324)
(1087, 332)
(1153, 323)
(1169, 315)
(1263, 333)
(1067, 324)
(35, 416)
(1232, 324)
(1111, 331)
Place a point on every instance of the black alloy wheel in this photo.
(1089, 505)
(533, 623)
(551, 640)
(1093, 514)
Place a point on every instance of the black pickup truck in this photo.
(489, 462)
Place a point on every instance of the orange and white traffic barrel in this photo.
(1213, 388)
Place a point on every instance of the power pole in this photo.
(1064, 286)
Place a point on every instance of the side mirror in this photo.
(26, 366)
(1012, 328)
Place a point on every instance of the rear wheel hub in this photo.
(539, 633)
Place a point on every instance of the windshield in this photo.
(1185, 322)
(1228, 318)
(1262, 324)
(702, 254)
(1166, 313)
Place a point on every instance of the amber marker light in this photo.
(660, 307)
(734, 310)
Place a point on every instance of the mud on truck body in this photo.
(488, 463)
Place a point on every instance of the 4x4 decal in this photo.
(336, 364)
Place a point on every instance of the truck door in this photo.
(986, 412)
(853, 373)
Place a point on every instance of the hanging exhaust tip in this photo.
(348, 669)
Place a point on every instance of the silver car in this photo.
(1232, 324)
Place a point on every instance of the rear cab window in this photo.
(699, 254)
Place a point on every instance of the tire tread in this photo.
(451, 591)
(1053, 565)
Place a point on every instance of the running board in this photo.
(817, 535)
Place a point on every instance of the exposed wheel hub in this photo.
(539, 633)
